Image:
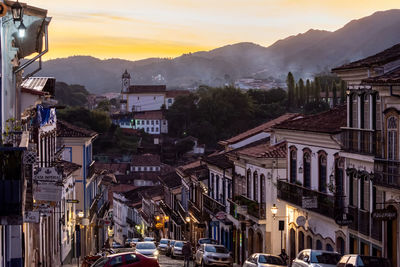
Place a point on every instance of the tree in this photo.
(291, 87)
(327, 94)
(317, 89)
(104, 105)
(302, 92)
(308, 91)
(334, 93)
(71, 95)
(342, 92)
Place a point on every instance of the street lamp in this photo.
(17, 11)
(274, 210)
(157, 218)
(80, 214)
(21, 30)
(166, 218)
(188, 219)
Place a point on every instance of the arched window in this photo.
(319, 245)
(392, 138)
(307, 169)
(293, 165)
(340, 245)
(309, 242)
(322, 173)
(262, 188)
(248, 183)
(339, 172)
(224, 191)
(329, 247)
(217, 188)
(301, 241)
(255, 186)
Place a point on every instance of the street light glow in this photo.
(21, 30)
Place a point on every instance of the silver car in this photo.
(176, 250)
(148, 249)
(314, 258)
(264, 260)
(213, 255)
(163, 246)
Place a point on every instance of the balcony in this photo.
(250, 207)
(195, 210)
(361, 221)
(295, 194)
(130, 222)
(387, 173)
(11, 183)
(180, 210)
(91, 170)
(361, 141)
(211, 205)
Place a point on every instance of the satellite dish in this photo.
(301, 221)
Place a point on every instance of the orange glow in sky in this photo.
(137, 29)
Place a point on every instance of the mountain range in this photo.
(304, 55)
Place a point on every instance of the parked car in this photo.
(149, 238)
(148, 249)
(314, 258)
(116, 245)
(207, 241)
(354, 260)
(169, 248)
(163, 246)
(213, 255)
(176, 250)
(127, 259)
(264, 260)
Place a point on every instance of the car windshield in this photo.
(178, 244)
(271, 260)
(216, 249)
(100, 262)
(145, 246)
(325, 257)
(148, 239)
(135, 239)
(207, 241)
(172, 242)
(163, 241)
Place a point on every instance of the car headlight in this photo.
(155, 253)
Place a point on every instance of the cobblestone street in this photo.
(168, 262)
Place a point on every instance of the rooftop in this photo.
(219, 160)
(390, 78)
(261, 128)
(69, 167)
(329, 122)
(149, 115)
(146, 160)
(130, 178)
(38, 85)
(113, 167)
(146, 89)
(263, 149)
(171, 179)
(175, 93)
(379, 59)
(65, 129)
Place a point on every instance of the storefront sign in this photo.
(387, 214)
(31, 216)
(47, 192)
(47, 174)
(73, 201)
(344, 219)
(43, 209)
(309, 203)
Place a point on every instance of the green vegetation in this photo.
(71, 95)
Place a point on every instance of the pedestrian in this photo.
(187, 253)
(283, 256)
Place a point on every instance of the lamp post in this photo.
(274, 211)
(166, 217)
(17, 11)
(190, 228)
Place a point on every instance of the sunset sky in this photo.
(137, 29)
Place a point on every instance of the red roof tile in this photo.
(329, 121)
(149, 115)
(146, 160)
(175, 93)
(113, 167)
(65, 129)
(219, 160)
(261, 128)
(388, 55)
(264, 149)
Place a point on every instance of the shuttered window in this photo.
(366, 112)
(366, 195)
(355, 112)
(355, 192)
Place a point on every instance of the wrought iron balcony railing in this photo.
(387, 173)
(211, 205)
(319, 202)
(361, 141)
(362, 222)
(195, 210)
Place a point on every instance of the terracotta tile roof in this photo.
(135, 194)
(329, 121)
(149, 115)
(69, 167)
(65, 129)
(379, 59)
(261, 128)
(390, 78)
(146, 89)
(193, 168)
(113, 167)
(146, 160)
(130, 178)
(263, 149)
(171, 179)
(175, 93)
(219, 160)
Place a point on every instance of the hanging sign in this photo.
(344, 219)
(309, 203)
(31, 216)
(220, 215)
(387, 214)
(47, 192)
(47, 174)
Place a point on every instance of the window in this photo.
(147, 122)
(301, 241)
(170, 101)
(224, 191)
(307, 169)
(211, 187)
(156, 129)
(329, 247)
(217, 188)
(262, 188)
(143, 122)
(138, 122)
(293, 166)
(392, 138)
(351, 189)
(339, 171)
(255, 186)
(147, 129)
(309, 242)
(157, 122)
(319, 244)
(116, 261)
(322, 173)
(152, 122)
(131, 258)
(248, 183)
(152, 129)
